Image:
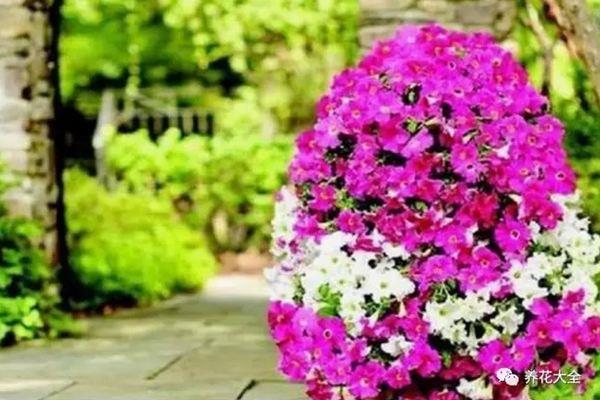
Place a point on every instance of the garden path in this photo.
(210, 346)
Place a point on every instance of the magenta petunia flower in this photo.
(424, 359)
(512, 236)
(397, 376)
(493, 356)
(465, 160)
(592, 333)
(435, 269)
(323, 198)
(365, 380)
(350, 222)
(523, 353)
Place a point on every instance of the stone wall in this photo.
(26, 111)
(380, 18)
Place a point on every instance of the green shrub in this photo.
(581, 140)
(28, 294)
(130, 248)
(222, 186)
(588, 171)
(244, 175)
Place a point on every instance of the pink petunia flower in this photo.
(512, 236)
(424, 359)
(493, 356)
(365, 380)
(474, 277)
(540, 330)
(350, 222)
(435, 269)
(591, 336)
(323, 197)
(337, 370)
(465, 161)
(397, 376)
(523, 353)
(444, 395)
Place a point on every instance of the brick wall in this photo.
(26, 111)
(380, 18)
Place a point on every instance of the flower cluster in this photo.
(432, 235)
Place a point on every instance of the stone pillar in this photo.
(27, 77)
(380, 18)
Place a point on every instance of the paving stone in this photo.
(199, 347)
(275, 391)
(196, 390)
(30, 389)
(242, 360)
(80, 360)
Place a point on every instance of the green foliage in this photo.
(589, 184)
(329, 302)
(282, 51)
(582, 139)
(99, 45)
(219, 186)
(286, 50)
(130, 248)
(28, 295)
(244, 175)
(566, 391)
(27, 298)
(242, 116)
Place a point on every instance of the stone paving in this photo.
(211, 346)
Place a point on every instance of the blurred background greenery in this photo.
(257, 68)
(171, 209)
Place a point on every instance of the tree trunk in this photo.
(380, 18)
(27, 108)
(582, 32)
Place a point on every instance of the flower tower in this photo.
(430, 245)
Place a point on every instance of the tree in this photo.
(581, 30)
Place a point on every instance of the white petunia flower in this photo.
(441, 316)
(351, 310)
(508, 320)
(334, 242)
(382, 283)
(284, 220)
(536, 231)
(281, 285)
(477, 389)
(525, 285)
(360, 267)
(489, 335)
(393, 251)
(396, 345)
(540, 264)
(473, 308)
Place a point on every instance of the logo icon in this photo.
(506, 375)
